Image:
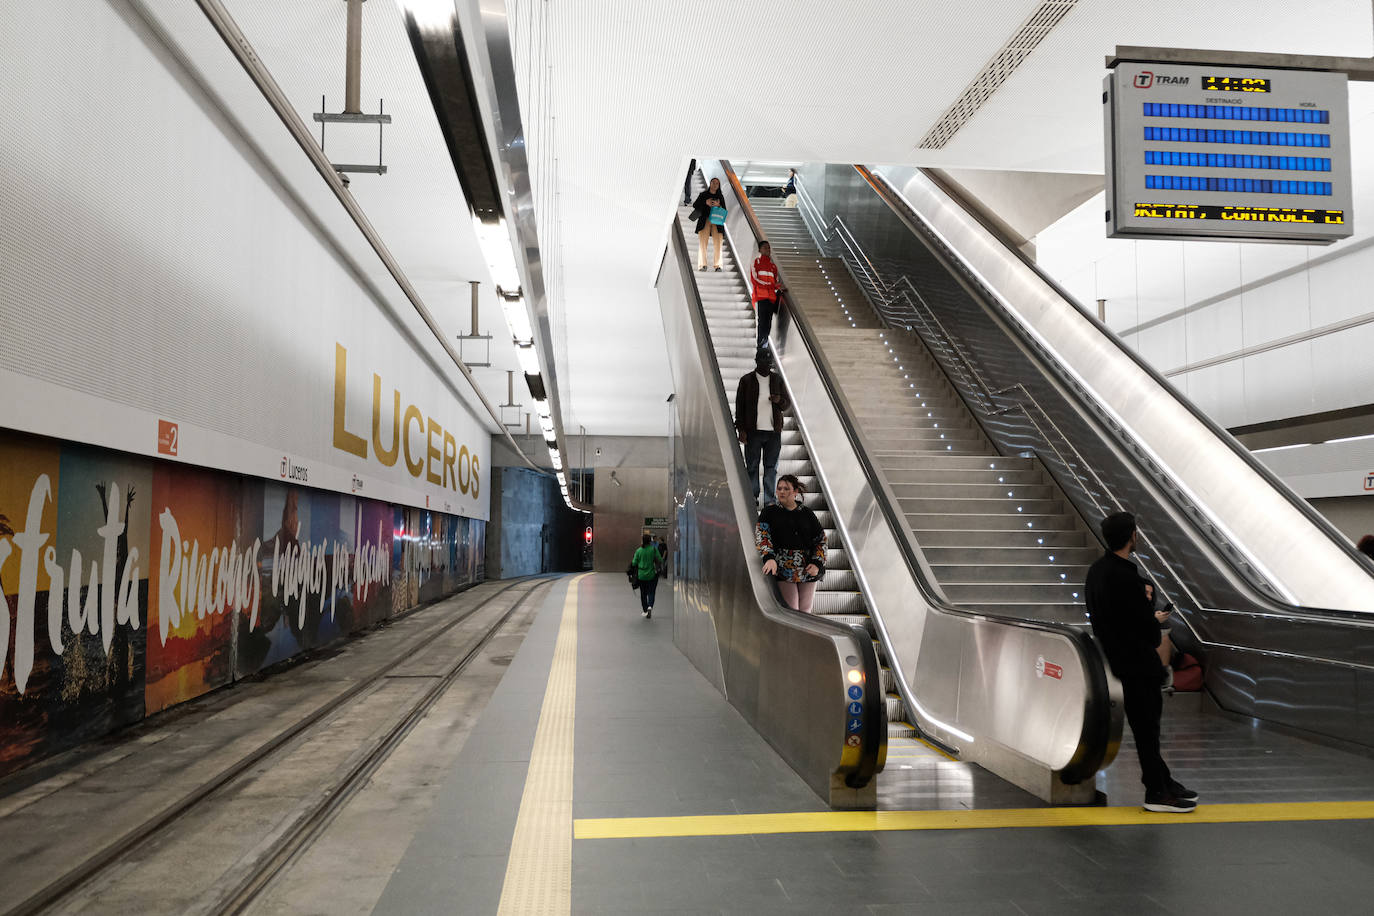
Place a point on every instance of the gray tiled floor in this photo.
(654, 738)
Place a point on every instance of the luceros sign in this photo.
(430, 452)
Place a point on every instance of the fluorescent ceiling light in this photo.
(518, 320)
(1279, 448)
(496, 248)
(528, 358)
(1348, 439)
(431, 14)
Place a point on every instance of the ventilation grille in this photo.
(1003, 65)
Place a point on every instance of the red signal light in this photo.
(587, 535)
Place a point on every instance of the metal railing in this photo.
(900, 305)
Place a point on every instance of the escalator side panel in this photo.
(786, 673)
(977, 685)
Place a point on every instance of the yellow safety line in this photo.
(864, 821)
(938, 750)
(539, 871)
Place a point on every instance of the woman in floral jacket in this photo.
(792, 543)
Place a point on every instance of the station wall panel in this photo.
(167, 289)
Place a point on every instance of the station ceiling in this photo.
(616, 97)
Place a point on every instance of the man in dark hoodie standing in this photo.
(759, 403)
(1125, 624)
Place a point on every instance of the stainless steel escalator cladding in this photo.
(1277, 601)
(1028, 700)
(789, 674)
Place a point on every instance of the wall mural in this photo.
(132, 585)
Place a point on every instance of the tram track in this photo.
(316, 816)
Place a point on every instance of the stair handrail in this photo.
(1095, 751)
(882, 294)
(873, 738)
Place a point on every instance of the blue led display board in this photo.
(1209, 152)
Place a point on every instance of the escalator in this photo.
(1024, 694)
(996, 529)
(1014, 371)
(729, 316)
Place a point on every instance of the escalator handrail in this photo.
(1093, 744)
(888, 291)
(1274, 605)
(874, 733)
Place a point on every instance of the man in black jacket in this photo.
(758, 423)
(1125, 624)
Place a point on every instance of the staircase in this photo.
(998, 533)
(730, 322)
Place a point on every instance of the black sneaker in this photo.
(1168, 803)
(1179, 790)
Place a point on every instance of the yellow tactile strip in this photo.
(611, 828)
(539, 871)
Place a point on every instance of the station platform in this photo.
(606, 775)
(537, 746)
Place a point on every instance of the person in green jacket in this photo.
(646, 564)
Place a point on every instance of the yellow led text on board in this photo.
(429, 450)
(1244, 214)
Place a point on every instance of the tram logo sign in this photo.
(1144, 79)
(1369, 481)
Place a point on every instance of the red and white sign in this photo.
(1048, 669)
(166, 438)
(1369, 481)
(852, 741)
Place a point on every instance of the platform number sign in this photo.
(1205, 152)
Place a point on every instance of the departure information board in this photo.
(1207, 152)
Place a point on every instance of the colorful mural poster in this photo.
(132, 585)
(204, 568)
(74, 556)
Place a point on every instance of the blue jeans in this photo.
(765, 444)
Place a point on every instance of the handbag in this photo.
(696, 214)
(717, 216)
(633, 575)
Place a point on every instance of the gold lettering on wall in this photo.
(437, 457)
(386, 456)
(414, 465)
(343, 439)
(432, 451)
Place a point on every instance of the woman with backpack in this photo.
(709, 212)
(792, 543)
(646, 565)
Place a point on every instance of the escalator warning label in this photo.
(856, 709)
(1048, 669)
(852, 741)
(856, 692)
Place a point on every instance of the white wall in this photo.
(170, 256)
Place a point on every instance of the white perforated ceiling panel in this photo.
(617, 96)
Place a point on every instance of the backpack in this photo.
(1187, 674)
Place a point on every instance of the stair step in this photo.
(984, 508)
(947, 521)
(1004, 538)
(1028, 592)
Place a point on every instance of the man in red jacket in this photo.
(767, 286)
